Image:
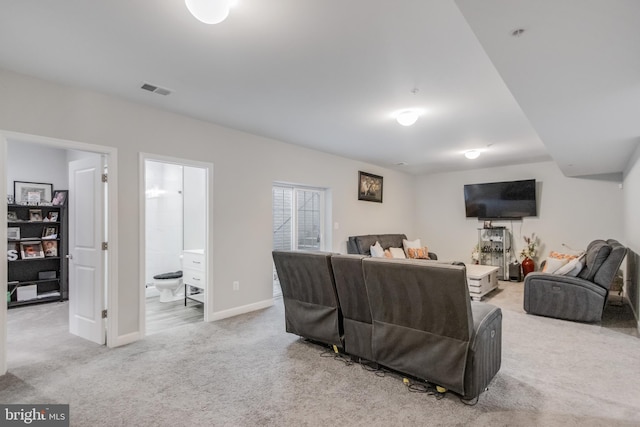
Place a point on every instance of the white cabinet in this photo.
(481, 280)
(194, 275)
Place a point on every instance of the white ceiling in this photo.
(328, 74)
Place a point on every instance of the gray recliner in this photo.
(580, 298)
(425, 324)
(309, 294)
(352, 294)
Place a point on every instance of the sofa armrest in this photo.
(561, 280)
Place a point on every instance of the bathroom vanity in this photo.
(194, 275)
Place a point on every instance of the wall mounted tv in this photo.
(501, 200)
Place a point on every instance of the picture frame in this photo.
(52, 216)
(50, 248)
(369, 187)
(25, 193)
(31, 250)
(35, 214)
(59, 197)
(12, 216)
(487, 224)
(13, 233)
(50, 232)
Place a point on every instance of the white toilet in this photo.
(170, 286)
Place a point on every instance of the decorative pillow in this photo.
(397, 252)
(387, 253)
(553, 264)
(377, 251)
(572, 268)
(408, 244)
(568, 257)
(418, 253)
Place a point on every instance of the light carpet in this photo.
(246, 371)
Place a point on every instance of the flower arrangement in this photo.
(529, 251)
(475, 254)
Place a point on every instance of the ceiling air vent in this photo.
(155, 89)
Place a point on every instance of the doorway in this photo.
(106, 280)
(298, 221)
(175, 284)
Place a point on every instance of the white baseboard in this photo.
(219, 315)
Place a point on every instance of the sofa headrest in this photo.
(602, 260)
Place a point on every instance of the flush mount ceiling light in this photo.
(472, 154)
(407, 117)
(209, 11)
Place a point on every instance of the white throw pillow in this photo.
(414, 244)
(569, 268)
(553, 264)
(397, 252)
(377, 251)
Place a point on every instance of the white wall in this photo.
(245, 166)
(573, 211)
(164, 220)
(632, 202)
(36, 163)
(195, 209)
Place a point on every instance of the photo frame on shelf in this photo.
(13, 233)
(369, 187)
(12, 216)
(50, 232)
(59, 197)
(31, 250)
(35, 214)
(26, 193)
(50, 248)
(52, 216)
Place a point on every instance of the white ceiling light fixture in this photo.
(407, 117)
(472, 154)
(209, 11)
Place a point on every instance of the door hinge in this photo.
(105, 178)
(104, 314)
(105, 246)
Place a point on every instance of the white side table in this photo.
(481, 280)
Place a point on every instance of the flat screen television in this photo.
(501, 200)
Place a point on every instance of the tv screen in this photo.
(501, 200)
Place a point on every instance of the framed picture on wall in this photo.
(26, 193)
(369, 187)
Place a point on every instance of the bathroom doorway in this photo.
(175, 250)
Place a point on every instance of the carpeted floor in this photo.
(246, 371)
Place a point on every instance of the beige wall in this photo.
(245, 166)
(573, 211)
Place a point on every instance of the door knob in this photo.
(69, 256)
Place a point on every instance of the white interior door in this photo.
(86, 207)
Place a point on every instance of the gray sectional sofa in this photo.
(412, 316)
(362, 244)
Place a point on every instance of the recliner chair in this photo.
(309, 294)
(580, 298)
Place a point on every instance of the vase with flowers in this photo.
(528, 253)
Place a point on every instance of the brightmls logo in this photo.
(35, 415)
